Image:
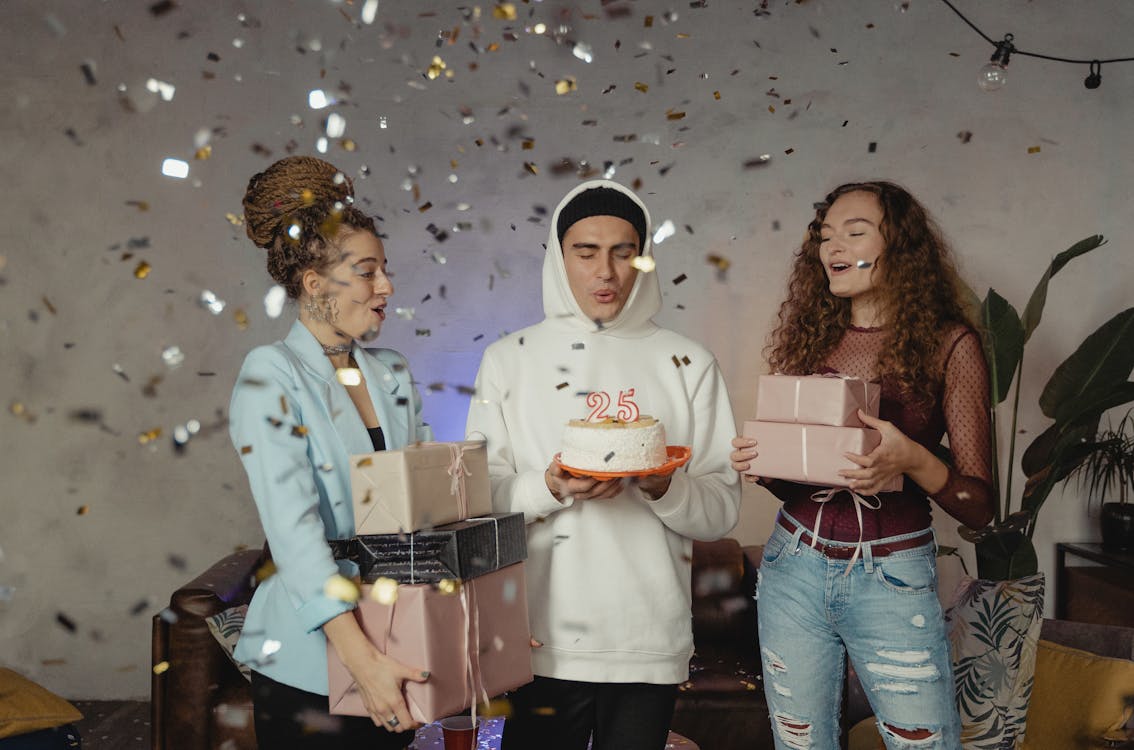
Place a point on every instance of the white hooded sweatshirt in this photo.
(608, 580)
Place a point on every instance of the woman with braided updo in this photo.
(300, 408)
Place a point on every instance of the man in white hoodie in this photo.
(608, 565)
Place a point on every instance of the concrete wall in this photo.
(98, 526)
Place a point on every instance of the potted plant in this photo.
(1093, 379)
(1108, 469)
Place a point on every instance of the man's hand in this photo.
(655, 485)
(562, 485)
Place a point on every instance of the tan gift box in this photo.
(427, 629)
(815, 399)
(419, 486)
(811, 454)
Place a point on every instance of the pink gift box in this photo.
(812, 454)
(815, 399)
(427, 629)
(419, 486)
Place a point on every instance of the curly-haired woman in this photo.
(300, 408)
(873, 294)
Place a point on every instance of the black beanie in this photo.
(603, 201)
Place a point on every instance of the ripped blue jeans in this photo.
(884, 614)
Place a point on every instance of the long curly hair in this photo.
(917, 284)
(295, 209)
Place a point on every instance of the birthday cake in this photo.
(613, 444)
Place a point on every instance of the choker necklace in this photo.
(334, 349)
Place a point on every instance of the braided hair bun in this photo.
(295, 209)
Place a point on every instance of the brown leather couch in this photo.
(201, 701)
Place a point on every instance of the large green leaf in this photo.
(1106, 357)
(1055, 439)
(1097, 401)
(1003, 342)
(1034, 310)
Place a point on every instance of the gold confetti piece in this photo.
(722, 263)
(233, 219)
(161, 667)
(531, 167)
(501, 707)
(671, 115)
(307, 195)
(149, 436)
(676, 361)
(565, 85)
(265, 571)
(245, 450)
(436, 68)
(504, 12)
(493, 47)
(47, 303)
(717, 95)
(771, 109)
(83, 510)
(449, 586)
(364, 462)
(298, 430)
(544, 710)
(340, 588)
(348, 144)
(142, 270)
(641, 86)
(649, 22)
(203, 153)
(789, 151)
(644, 263)
(241, 318)
(384, 591)
(1033, 149)
(140, 205)
(527, 145)
(348, 375)
(682, 35)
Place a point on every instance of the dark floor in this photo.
(114, 725)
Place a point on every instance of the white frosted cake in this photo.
(613, 445)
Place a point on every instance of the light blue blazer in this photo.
(295, 427)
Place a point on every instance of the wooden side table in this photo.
(1103, 593)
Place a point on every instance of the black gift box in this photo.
(461, 550)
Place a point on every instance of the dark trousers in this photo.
(288, 718)
(549, 714)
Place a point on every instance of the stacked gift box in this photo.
(805, 424)
(423, 517)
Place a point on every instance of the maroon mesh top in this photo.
(960, 409)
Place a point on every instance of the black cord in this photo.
(1017, 51)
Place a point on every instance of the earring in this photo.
(321, 308)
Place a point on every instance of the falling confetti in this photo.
(663, 232)
(161, 667)
(565, 86)
(172, 356)
(1033, 149)
(643, 263)
(211, 302)
(449, 586)
(504, 12)
(341, 588)
(175, 168)
(349, 376)
(274, 301)
(142, 270)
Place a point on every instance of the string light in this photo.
(993, 75)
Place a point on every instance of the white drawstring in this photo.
(860, 502)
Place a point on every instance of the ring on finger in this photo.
(393, 721)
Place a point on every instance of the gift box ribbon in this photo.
(825, 496)
(851, 383)
(474, 678)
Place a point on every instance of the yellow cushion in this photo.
(1077, 697)
(26, 707)
(864, 736)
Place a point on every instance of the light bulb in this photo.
(992, 77)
